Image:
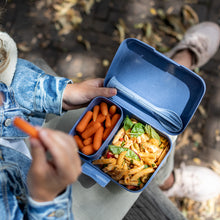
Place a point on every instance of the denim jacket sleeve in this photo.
(60, 208)
(36, 91)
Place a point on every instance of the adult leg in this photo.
(199, 44)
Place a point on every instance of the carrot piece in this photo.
(107, 131)
(88, 149)
(104, 108)
(112, 110)
(91, 130)
(79, 141)
(100, 119)
(84, 122)
(108, 121)
(97, 142)
(88, 141)
(95, 112)
(26, 127)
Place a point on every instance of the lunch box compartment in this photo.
(97, 101)
(95, 172)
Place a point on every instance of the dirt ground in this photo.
(79, 41)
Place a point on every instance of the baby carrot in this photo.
(95, 112)
(26, 127)
(84, 122)
(79, 141)
(91, 130)
(108, 121)
(107, 131)
(100, 119)
(88, 149)
(87, 141)
(112, 110)
(104, 108)
(97, 142)
(115, 119)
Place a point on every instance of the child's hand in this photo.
(49, 177)
(78, 95)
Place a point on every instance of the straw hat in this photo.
(8, 58)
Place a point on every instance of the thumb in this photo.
(104, 91)
(38, 152)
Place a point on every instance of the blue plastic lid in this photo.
(144, 76)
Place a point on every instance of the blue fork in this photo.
(168, 118)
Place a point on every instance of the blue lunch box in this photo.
(153, 89)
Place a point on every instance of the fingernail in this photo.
(43, 133)
(113, 91)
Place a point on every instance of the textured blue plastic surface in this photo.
(94, 102)
(160, 81)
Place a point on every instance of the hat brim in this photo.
(9, 58)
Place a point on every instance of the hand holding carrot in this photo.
(46, 179)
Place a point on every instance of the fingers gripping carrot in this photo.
(95, 112)
(97, 142)
(84, 122)
(26, 127)
(104, 108)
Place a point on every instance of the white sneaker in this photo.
(202, 40)
(194, 182)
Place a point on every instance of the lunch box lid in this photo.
(145, 77)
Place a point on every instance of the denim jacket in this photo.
(31, 95)
(15, 204)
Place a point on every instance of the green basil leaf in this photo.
(123, 143)
(152, 133)
(137, 130)
(139, 181)
(117, 150)
(155, 135)
(127, 123)
(131, 154)
(146, 166)
(148, 129)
